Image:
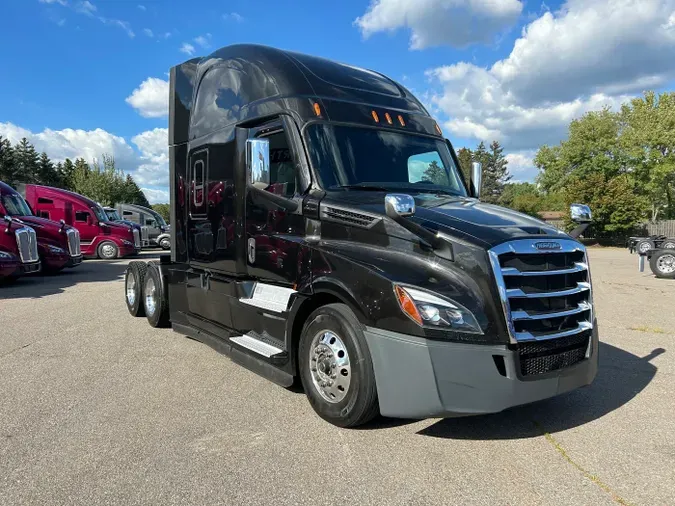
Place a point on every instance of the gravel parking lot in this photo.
(96, 407)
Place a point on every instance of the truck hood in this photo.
(482, 224)
(119, 229)
(46, 230)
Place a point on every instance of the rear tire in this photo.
(134, 279)
(668, 245)
(663, 264)
(165, 244)
(108, 250)
(155, 300)
(336, 368)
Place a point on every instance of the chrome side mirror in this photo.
(8, 220)
(399, 205)
(258, 163)
(476, 178)
(580, 213)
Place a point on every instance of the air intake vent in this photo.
(349, 217)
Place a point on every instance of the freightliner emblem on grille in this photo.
(547, 245)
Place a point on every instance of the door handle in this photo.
(204, 278)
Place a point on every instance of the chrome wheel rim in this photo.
(150, 296)
(645, 246)
(329, 366)
(131, 289)
(666, 264)
(165, 244)
(108, 250)
(669, 245)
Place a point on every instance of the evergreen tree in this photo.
(465, 159)
(68, 172)
(436, 174)
(46, 172)
(133, 193)
(495, 173)
(8, 169)
(27, 162)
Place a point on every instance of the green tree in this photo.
(68, 171)
(616, 208)
(164, 210)
(436, 174)
(648, 138)
(8, 169)
(465, 158)
(513, 190)
(46, 172)
(27, 161)
(134, 194)
(495, 173)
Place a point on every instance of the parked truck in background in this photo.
(99, 237)
(322, 230)
(154, 230)
(58, 243)
(18, 250)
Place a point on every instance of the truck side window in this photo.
(44, 214)
(127, 213)
(42, 200)
(283, 172)
(81, 216)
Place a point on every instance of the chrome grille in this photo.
(26, 239)
(546, 294)
(137, 238)
(73, 242)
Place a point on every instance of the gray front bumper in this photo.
(419, 378)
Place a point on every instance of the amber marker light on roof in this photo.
(438, 129)
(317, 109)
(375, 117)
(388, 118)
(400, 120)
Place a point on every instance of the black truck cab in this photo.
(321, 229)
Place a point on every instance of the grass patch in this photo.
(651, 330)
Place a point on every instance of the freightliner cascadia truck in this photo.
(322, 233)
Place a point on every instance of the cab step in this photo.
(258, 346)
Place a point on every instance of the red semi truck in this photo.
(58, 243)
(100, 238)
(18, 250)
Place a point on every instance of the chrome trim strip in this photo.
(527, 336)
(518, 293)
(255, 345)
(512, 271)
(326, 214)
(527, 246)
(524, 315)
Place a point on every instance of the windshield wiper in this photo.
(364, 187)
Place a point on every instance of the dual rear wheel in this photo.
(145, 293)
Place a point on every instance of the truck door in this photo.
(86, 223)
(212, 250)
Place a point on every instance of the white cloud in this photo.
(156, 196)
(154, 159)
(591, 46)
(187, 48)
(589, 54)
(142, 7)
(148, 32)
(438, 22)
(86, 7)
(60, 2)
(148, 163)
(124, 25)
(204, 40)
(521, 166)
(151, 98)
(167, 35)
(233, 16)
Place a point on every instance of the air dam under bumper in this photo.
(419, 378)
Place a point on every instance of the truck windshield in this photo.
(113, 215)
(100, 213)
(158, 218)
(372, 159)
(16, 206)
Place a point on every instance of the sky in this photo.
(83, 78)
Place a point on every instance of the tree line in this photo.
(101, 181)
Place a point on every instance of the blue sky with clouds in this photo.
(82, 78)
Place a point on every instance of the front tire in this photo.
(336, 368)
(155, 301)
(165, 244)
(663, 264)
(108, 250)
(668, 245)
(133, 287)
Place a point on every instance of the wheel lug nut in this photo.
(334, 376)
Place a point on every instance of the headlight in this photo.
(55, 249)
(429, 310)
(3, 254)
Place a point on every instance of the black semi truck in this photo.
(322, 232)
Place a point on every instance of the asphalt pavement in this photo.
(96, 407)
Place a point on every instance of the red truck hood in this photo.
(47, 230)
(119, 230)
